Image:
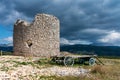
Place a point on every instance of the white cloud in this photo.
(13, 16)
(112, 37)
(8, 39)
(2, 8)
(60, 1)
(64, 41)
(73, 42)
(10, 18)
(80, 42)
(94, 30)
(105, 2)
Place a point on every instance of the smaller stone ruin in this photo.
(39, 38)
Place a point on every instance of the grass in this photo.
(41, 63)
(4, 68)
(53, 77)
(109, 71)
(110, 57)
(6, 53)
(98, 72)
(18, 63)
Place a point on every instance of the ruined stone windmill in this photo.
(39, 38)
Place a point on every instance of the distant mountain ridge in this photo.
(6, 47)
(99, 50)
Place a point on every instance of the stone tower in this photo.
(39, 38)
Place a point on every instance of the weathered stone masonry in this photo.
(39, 38)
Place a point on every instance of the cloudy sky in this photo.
(94, 22)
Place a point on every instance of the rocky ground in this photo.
(20, 68)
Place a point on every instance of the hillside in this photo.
(85, 49)
(99, 50)
(6, 48)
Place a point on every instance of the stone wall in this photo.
(39, 38)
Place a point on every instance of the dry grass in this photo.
(99, 69)
(109, 71)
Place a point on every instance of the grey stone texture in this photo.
(39, 38)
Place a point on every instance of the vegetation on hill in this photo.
(82, 49)
(6, 48)
(86, 49)
(32, 68)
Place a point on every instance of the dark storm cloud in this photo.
(85, 20)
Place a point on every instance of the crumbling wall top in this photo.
(21, 22)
